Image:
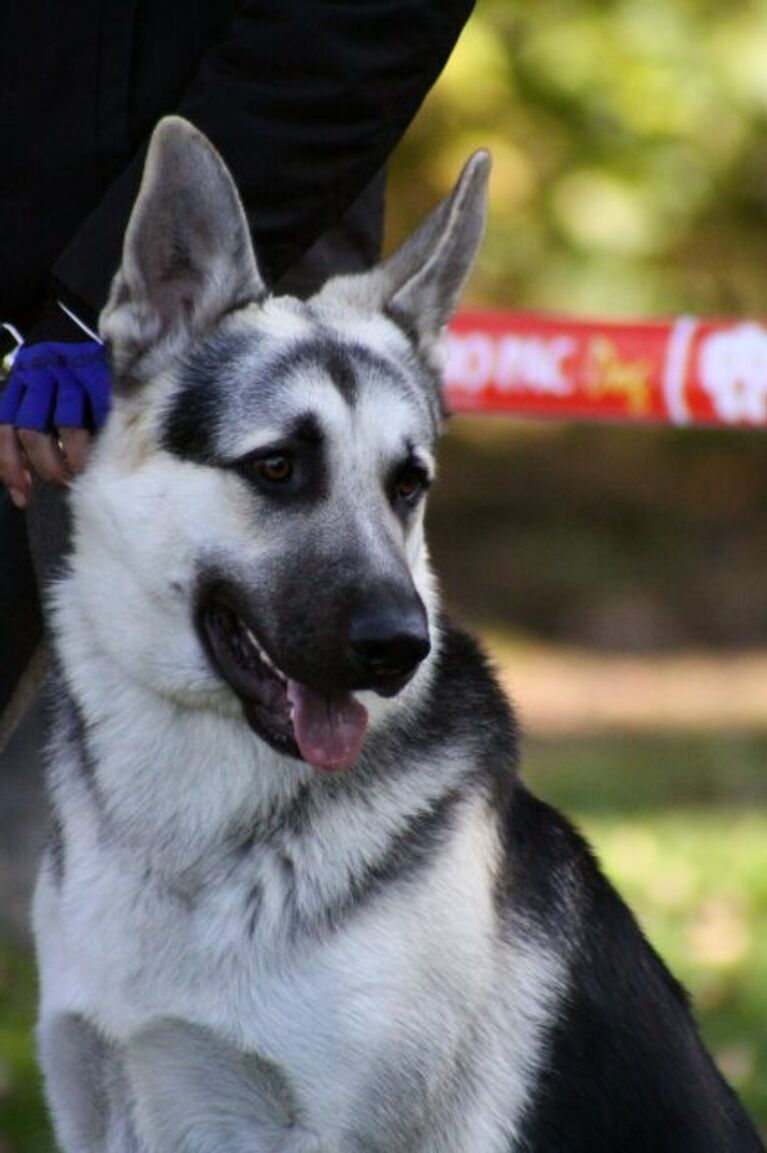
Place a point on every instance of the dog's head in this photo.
(250, 528)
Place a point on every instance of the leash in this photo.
(682, 372)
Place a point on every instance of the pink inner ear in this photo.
(174, 298)
(188, 257)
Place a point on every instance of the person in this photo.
(304, 99)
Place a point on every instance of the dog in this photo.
(297, 898)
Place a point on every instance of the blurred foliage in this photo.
(630, 179)
(630, 153)
(619, 538)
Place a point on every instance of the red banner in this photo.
(681, 372)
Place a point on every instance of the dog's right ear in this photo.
(187, 257)
(419, 285)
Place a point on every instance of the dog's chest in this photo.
(335, 1008)
(133, 944)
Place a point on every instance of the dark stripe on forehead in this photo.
(347, 365)
(222, 371)
(246, 371)
(316, 356)
(206, 379)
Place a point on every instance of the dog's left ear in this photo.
(187, 257)
(420, 284)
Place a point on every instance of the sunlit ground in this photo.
(661, 762)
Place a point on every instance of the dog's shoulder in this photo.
(624, 1056)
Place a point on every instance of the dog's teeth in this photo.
(263, 655)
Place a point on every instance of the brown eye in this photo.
(409, 485)
(277, 468)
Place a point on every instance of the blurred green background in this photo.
(617, 574)
(630, 147)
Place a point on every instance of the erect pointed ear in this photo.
(420, 284)
(425, 277)
(187, 257)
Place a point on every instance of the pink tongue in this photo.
(329, 730)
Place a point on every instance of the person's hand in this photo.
(56, 395)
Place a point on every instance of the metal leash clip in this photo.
(11, 341)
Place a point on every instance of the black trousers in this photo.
(20, 615)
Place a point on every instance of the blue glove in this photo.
(57, 395)
(57, 385)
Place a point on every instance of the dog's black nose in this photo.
(388, 643)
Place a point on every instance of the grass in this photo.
(680, 824)
(23, 1124)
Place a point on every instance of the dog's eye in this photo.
(409, 484)
(277, 468)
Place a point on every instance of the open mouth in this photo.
(327, 730)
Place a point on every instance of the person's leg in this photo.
(30, 557)
(23, 820)
(48, 532)
(20, 618)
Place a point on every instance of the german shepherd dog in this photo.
(297, 898)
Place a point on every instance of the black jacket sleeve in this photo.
(305, 100)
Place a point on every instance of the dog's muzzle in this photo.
(322, 723)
